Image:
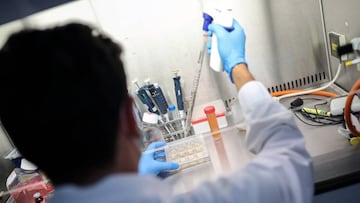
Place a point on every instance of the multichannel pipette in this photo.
(145, 99)
(159, 98)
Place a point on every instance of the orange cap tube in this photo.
(211, 117)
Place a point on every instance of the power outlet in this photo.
(337, 40)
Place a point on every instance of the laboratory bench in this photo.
(336, 163)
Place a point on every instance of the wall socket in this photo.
(337, 40)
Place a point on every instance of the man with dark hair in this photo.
(66, 107)
(68, 103)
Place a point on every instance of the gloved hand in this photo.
(148, 165)
(231, 45)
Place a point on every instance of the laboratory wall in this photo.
(343, 17)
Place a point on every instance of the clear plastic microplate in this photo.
(187, 152)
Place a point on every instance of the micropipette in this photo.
(159, 98)
(179, 96)
(145, 98)
(217, 13)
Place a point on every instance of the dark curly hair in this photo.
(61, 90)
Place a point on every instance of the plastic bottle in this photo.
(25, 180)
(23, 184)
(151, 131)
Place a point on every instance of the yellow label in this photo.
(334, 46)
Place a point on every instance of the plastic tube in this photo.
(313, 90)
(353, 62)
(214, 126)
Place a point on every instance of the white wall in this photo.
(157, 37)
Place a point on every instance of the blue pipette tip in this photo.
(172, 108)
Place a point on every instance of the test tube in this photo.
(219, 145)
(214, 126)
(174, 119)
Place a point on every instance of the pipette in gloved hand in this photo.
(222, 15)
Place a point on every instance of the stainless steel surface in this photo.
(343, 17)
(285, 42)
(324, 139)
(333, 157)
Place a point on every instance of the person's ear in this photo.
(127, 119)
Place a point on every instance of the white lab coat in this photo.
(281, 171)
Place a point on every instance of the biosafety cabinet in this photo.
(290, 45)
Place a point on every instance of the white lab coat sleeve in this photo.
(282, 170)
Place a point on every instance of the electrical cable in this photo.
(318, 120)
(313, 90)
(314, 119)
(347, 110)
(303, 121)
(320, 93)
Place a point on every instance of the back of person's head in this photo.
(61, 91)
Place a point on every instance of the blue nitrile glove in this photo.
(231, 45)
(149, 166)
